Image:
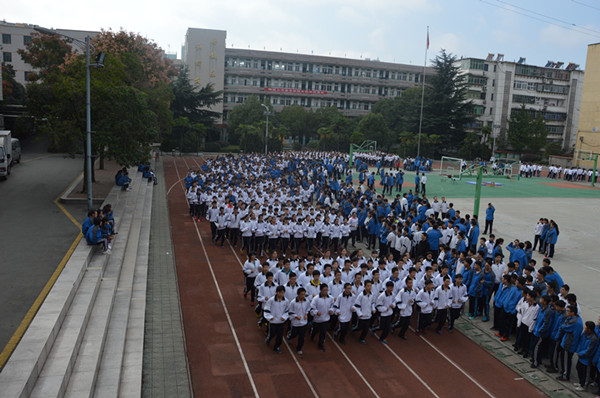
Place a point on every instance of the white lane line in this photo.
(411, 371)
(235, 337)
(489, 394)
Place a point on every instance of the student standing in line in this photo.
(585, 353)
(570, 332)
(276, 313)
(321, 309)
(423, 184)
(298, 311)
(541, 331)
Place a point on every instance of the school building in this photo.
(497, 87)
(312, 81)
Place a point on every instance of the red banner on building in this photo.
(294, 91)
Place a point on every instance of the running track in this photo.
(228, 358)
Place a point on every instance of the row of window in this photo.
(302, 101)
(546, 88)
(528, 70)
(265, 64)
(7, 39)
(312, 85)
(529, 99)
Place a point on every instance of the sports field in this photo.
(227, 355)
(513, 188)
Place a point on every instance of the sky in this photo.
(388, 30)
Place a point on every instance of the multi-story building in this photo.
(312, 81)
(15, 36)
(587, 145)
(497, 87)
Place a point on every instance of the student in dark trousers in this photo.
(344, 308)
(276, 313)
(425, 301)
(298, 310)
(585, 353)
(321, 309)
(489, 218)
(405, 301)
(385, 305)
(443, 299)
(571, 333)
(459, 298)
(364, 307)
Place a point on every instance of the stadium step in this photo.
(48, 353)
(87, 363)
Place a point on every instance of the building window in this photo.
(26, 75)
(26, 39)
(6, 39)
(6, 57)
(491, 110)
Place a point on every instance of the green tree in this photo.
(249, 113)
(526, 133)
(447, 109)
(12, 91)
(46, 54)
(373, 127)
(129, 97)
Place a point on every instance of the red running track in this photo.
(228, 357)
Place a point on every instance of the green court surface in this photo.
(513, 188)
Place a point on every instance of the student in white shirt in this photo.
(276, 313)
(425, 300)
(251, 269)
(364, 306)
(298, 310)
(344, 308)
(405, 300)
(385, 304)
(443, 299)
(321, 309)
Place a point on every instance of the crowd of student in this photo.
(431, 260)
(556, 172)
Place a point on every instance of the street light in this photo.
(267, 114)
(88, 107)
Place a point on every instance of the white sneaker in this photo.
(106, 251)
(579, 388)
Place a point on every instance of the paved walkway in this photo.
(165, 371)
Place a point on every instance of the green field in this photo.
(512, 188)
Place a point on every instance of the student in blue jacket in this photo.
(473, 235)
(499, 298)
(517, 253)
(488, 289)
(417, 183)
(475, 291)
(585, 352)
(541, 331)
(513, 295)
(94, 236)
(570, 332)
(551, 239)
(88, 222)
(489, 218)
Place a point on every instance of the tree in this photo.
(12, 91)
(249, 113)
(130, 97)
(447, 109)
(297, 120)
(46, 54)
(526, 133)
(191, 115)
(373, 127)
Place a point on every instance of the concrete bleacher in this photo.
(87, 338)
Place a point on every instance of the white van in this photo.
(5, 153)
(16, 150)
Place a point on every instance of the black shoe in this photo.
(562, 378)
(402, 337)
(322, 349)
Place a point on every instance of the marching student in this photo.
(405, 300)
(292, 287)
(425, 301)
(251, 269)
(344, 309)
(221, 224)
(459, 298)
(321, 309)
(385, 304)
(276, 313)
(364, 306)
(298, 311)
(211, 216)
(443, 300)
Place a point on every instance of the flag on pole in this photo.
(428, 37)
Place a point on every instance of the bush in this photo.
(231, 149)
(297, 146)
(212, 147)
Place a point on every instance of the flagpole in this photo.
(422, 95)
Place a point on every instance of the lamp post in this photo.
(88, 108)
(267, 114)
